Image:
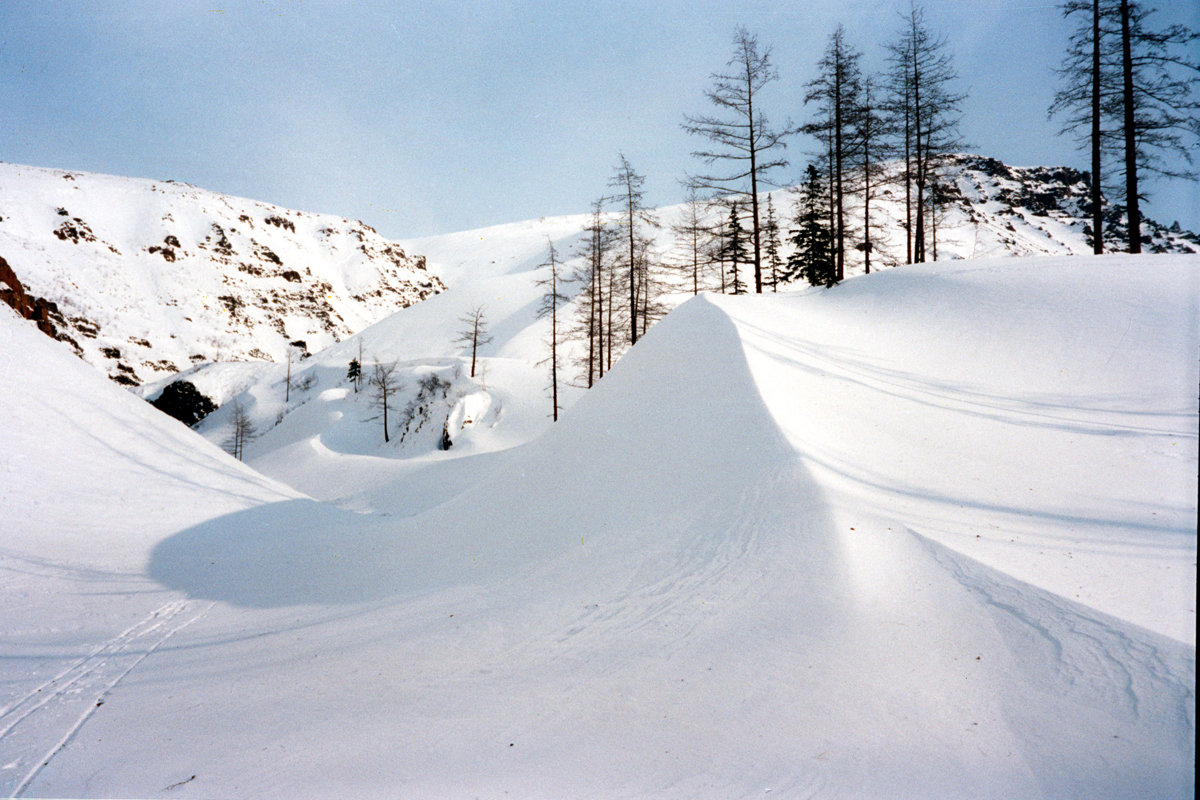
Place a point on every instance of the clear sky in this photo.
(428, 117)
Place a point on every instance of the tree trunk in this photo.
(1097, 213)
(867, 196)
(591, 341)
(1131, 178)
(612, 299)
(695, 262)
(750, 140)
(554, 336)
(838, 152)
(474, 344)
(632, 278)
(908, 221)
(385, 423)
(833, 221)
(599, 291)
(919, 234)
(933, 199)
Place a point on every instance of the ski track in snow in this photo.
(1070, 417)
(48, 717)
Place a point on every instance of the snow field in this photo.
(747, 561)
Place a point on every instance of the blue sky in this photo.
(429, 117)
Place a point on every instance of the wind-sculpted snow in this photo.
(905, 537)
(1043, 407)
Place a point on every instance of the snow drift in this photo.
(928, 533)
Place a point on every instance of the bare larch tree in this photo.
(742, 135)
(474, 332)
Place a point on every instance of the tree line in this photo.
(1127, 93)
(1127, 90)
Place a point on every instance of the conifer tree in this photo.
(242, 433)
(811, 260)
(774, 264)
(735, 249)
(1129, 93)
(650, 286)
(835, 91)
(474, 332)
(693, 233)
(384, 383)
(595, 266)
(551, 301)
(899, 108)
(871, 133)
(1159, 101)
(1089, 84)
(742, 136)
(630, 196)
(923, 70)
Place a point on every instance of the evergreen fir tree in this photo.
(735, 249)
(774, 261)
(812, 258)
(243, 431)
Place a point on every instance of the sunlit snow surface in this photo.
(930, 533)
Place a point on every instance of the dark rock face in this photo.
(41, 311)
(183, 401)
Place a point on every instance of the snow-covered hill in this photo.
(153, 276)
(990, 209)
(929, 533)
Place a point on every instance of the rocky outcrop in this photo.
(152, 277)
(39, 310)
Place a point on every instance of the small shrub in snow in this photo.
(430, 389)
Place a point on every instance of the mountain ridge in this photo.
(153, 276)
(145, 279)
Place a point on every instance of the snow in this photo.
(160, 275)
(929, 533)
(1050, 408)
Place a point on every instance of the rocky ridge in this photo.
(151, 277)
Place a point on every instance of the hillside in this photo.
(990, 210)
(146, 279)
(928, 533)
(151, 277)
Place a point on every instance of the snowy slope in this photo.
(991, 209)
(153, 276)
(507, 403)
(91, 480)
(746, 562)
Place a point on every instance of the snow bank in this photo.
(746, 562)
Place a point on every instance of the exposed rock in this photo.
(184, 402)
(39, 310)
(238, 279)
